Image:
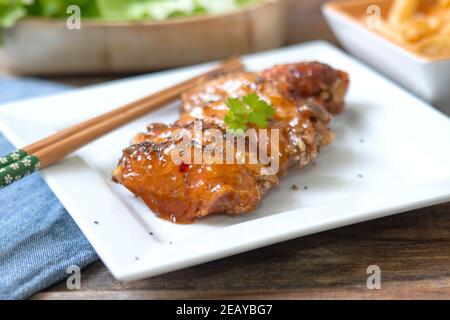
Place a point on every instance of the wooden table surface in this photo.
(412, 249)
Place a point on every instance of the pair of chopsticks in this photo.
(47, 151)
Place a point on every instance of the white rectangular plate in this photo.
(391, 154)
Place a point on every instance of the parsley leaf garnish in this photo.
(250, 109)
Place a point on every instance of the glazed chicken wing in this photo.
(304, 97)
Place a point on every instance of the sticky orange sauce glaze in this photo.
(304, 97)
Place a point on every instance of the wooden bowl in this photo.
(48, 47)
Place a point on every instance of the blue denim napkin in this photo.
(38, 238)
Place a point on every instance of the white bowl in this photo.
(429, 79)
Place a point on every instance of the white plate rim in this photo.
(239, 237)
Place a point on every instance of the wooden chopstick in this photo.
(149, 103)
(55, 147)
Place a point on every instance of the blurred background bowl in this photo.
(427, 78)
(47, 46)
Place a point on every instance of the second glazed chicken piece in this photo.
(304, 97)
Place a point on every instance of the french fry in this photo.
(419, 27)
(445, 3)
(423, 26)
(435, 46)
(401, 11)
(446, 30)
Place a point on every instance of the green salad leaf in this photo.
(114, 10)
(10, 11)
(58, 8)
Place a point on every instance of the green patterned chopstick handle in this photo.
(18, 169)
(12, 157)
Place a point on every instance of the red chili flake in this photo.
(183, 167)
